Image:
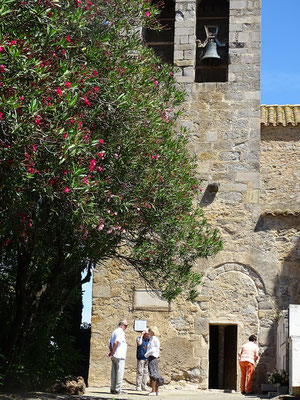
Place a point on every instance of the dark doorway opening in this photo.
(223, 357)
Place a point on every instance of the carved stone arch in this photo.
(230, 266)
(236, 293)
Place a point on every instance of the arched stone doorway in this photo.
(236, 305)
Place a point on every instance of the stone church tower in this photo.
(248, 283)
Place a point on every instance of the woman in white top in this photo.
(152, 355)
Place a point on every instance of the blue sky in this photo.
(280, 72)
(87, 302)
(280, 55)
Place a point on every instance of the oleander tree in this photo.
(93, 165)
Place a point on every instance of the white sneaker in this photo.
(138, 389)
(157, 393)
(152, 394)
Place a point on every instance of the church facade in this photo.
(249, 159)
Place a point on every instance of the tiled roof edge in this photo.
(286, 213)
(280, 115)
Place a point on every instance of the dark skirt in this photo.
(153, 370)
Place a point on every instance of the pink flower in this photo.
(99, 169)
(100, 226)
(155, 82)
(21, 98)
(95, 72)
(1, 116)
(116, 156)
(89, 3)
(92, 165)
(166, 117)
(68, 85)
(34, 148)
(86, 101)
(37, 120)
(85, 180)
(101, 141)
(147, 14)
(12, 42)
(86, 232)
(155, 157)
(58, 91)
(66, 189)
(101, 155)
(68, 39)
(1, 48)
(2, 68)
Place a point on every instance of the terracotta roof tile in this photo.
(284, 115)
(283, 212)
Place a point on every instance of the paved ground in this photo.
(165, 394)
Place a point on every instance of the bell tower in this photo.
(217, 50)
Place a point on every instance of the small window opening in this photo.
(163, 41)
(212, 32)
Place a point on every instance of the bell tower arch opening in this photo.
(162, 41)
(212, 33)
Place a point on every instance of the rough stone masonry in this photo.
(256, 208)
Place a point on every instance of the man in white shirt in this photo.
(117, 352)
(247, 358)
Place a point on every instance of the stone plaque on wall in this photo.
(144, 299)
(140, 325)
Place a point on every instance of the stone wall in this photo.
(280, 167)
(115, 300)
(254, 276)
(278, 230)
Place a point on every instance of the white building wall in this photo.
(294, 347)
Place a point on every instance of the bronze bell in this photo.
(211, 55)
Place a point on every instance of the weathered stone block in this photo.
(201, 326)
(101, 291)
